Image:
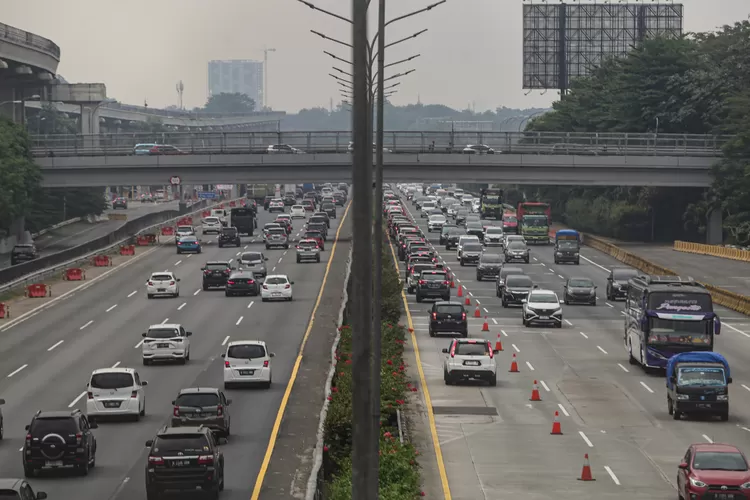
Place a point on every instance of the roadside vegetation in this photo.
(399, 468)
(699, 84)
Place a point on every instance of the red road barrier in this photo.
(142, 241)
(232, 204)
(188, 220)
(74, 274)
(102, 261)
(151, 237)
(221, 205)
(243, 202)
(127, 249)
(4, 310)
(167, 231)
(38, 290)
(206, 213)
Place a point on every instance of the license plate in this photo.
(162, 346)
(161, 289)
(54, 463)
(247, 372)
(543, 317)
(434, 285)
(704, 405)
(276, 294)
(471, 363)
(112, 404)
(180, 463)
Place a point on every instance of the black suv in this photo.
(449, 317)
(434, 285)
(617, 282)
(59, 439)
(23, 253)
(330, 209)
(290, 199)
(229, 236)
(516, 289)
(216, 274)
(12, 489)
(489, 266)
(182, 459)
(447, 229)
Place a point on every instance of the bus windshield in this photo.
(666, 332)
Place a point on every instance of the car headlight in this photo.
(745, 486)
(697, 483)
(682, 397)
(558, 254)
(557, 313)
(575, 254)
(722, 397)
(616, 285)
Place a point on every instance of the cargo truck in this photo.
(534, 221)
(698, 384)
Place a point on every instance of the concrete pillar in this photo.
(714, 229)
(90, 126)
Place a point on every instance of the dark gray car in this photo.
(579, 291)
(470, 253)
(254, 262)
(617, 282)
(516, 289)
(277, 238)
(205, 406)
(505, 271)
(489, 266)
(517, 250)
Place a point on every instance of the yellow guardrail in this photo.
(714, 250)
(730, 300)
(117, 216)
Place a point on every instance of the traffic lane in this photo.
(160, 392)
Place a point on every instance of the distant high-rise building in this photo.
(237, 76)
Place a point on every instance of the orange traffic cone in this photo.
(556, 427)
(453, 284)
(586, 472)
(467, 302)
(498, 344)
(513, 365)
(535, 393)
(461, 291)
(485, 326)
(477, 313)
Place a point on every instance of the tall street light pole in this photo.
(265, 75)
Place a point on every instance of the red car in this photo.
(309, 205)
(317, 236)
(287, 223)
(713, 471)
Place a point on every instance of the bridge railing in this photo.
(406, 142)
(22, 37)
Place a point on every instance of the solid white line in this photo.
(626, 370)
(503, 332)
(612, 475)
(139, 344)
(132, 293)
(165, 320)
(76, 400)
(239, 321)
(600, 348)
(516, 348)
(53, 347)
(530, 367)
(586, 439)
(16, 371)
(544, 385)
(250, 304)
(226, 339)
(707, 438)
(568, 322)
(116, 365)
(112, 307)
(610, 305)
(87, 324)
(737, 330)
(494, 320)
(647, 387)
(592, 262)
(181, 306)
(584, 335)
(562, 409)
(197, 292)
(178, 263)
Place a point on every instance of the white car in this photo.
(184, 231)
(469, 359)
(513, 237)
(220, 214)
(283, 149)
(493, 236)
(276, 287)
(469, 238)
(247, 362)
(163, 283)
(211, 225)
(435, 223)
(166, 342)
(115, 392)
(276, 204)
(426, 207)
(542, 307)
(297, 212)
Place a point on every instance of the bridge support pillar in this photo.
(90, 126)
(714, 229)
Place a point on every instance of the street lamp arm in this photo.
(410, 37)
(315, 7)
(399, 75)
(399, 18)
(345, 85)
(326, 37)
(397, 62)
(337, 57)
(342, 71)
(337, 78)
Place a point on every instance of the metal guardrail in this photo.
(29, 39)
(35, 270)
(182, 113)
(403, 142)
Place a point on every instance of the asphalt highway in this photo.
(496, 443)
(47, 360)
(79, 233)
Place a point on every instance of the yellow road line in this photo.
(295, 370)
(426, 392)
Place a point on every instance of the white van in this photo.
(221, 214)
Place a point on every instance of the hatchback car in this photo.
(433, 284)
(163, 283)
(469, 359)
(515, 251)
(317, 236)
(516, 290)
(579, 291)
(204, 406)
(297, 212)
(276, 205)
(216, 273)
(23, 252)
(166, 342)
(436, 223)
(120, 202)
(542, 307)
(448, 317)
(247, 362)
(188, 244)
(493, 236)
(254, 262)
(277, 287)
(241, 283)
(715, 471)
(277, 237)
(229, 236)
(489, 266)
(415, 274)
(308, 250)
(115, 392)
(470, 253)
(211, 225)
(462, 240)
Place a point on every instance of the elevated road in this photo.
(19, 47)
(101, 326)
(497, 444)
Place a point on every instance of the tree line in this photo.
(698, 84)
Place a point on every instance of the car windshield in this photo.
(716, 460)
(200, 399)
(111, 380)
(246, 351)
(510, 219)
(217, 267)
(472, 247)
(212, 220)
(472, 348)
(449, 227)
(516, 245)
(276, 230)
(580, 283)
(491, 258)
(162, 333)
(297, 207)
(161, 277)
(185, 443)
(229, 231)
(567, 244)
(184, 229)
(473, 225)
(700, 376)
(276, 281)
(543, 298)
(494, 230)
(53, 425)
(188, 239)
(251, 257)
(449, 309)
(432, 276)
(308, 244)
(9, 494)
(516, 281)
(624, 274)
(313, 234)
(418, 268)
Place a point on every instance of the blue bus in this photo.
(667, 315)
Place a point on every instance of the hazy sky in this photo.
(141, 48)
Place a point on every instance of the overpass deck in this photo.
(21, 47)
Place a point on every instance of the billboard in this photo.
(564, 41)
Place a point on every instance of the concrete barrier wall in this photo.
(713, 250)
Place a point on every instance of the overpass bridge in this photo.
(518, 158)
